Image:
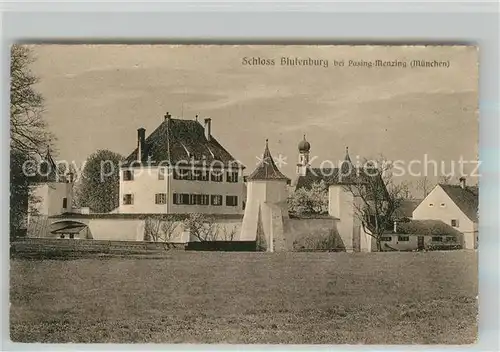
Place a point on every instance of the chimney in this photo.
(167, 116)
(395, 228)
(69, 177)
(463, 182)
(141, 137)
(208, 128)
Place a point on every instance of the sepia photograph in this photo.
(244, 194)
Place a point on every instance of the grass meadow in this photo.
(223, 297)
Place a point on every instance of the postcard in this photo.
(244, 194)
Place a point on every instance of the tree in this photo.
(228, 234)
(376, 197)
(20, 194)
(158, 229)
(202, 227)
(445, 179)
(28, 133)
(28, 130)
(424, 185)
(309, 201)
(100, 184)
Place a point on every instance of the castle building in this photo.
(181, 168)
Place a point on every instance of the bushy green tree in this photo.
(313, 200)
(99, 186)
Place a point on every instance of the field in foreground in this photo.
(214, 297)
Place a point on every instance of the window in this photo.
(128, 175)
(72, 235)
(205, 175)
(231, 201)
(216, 200)
(454, 222)
(128, 199)
(65, 202)
(450, 239)
(403, 238)
(437, 239)
(431, 204)
(160, 198)
(182, 174)
(181, 198)
(199, 199)
(442, 205)
(232, 176)
(216, 176)
(386, 239)
(200, 175)
(161, 173)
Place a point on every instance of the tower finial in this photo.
(347, 157)
(304, 136)
(267, 142)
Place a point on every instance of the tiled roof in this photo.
(177, 140)
(406, 208)
(426, 228)
(267, 169)
(467, 199)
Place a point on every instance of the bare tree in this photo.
(376, 196)
(424, 185)
(202, 227)
(228, 234)
(445, 179)
(28, 130)
(157, 229)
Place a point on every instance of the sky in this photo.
(97, 96)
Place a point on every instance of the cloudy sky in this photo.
(98, 95)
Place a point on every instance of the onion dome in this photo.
(304, 145)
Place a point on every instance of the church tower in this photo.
(303, 162)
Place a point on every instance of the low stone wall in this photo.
(300, 234)
(311, 234)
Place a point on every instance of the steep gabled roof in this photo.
(467, 199)
(177, 140)
(267, 169)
